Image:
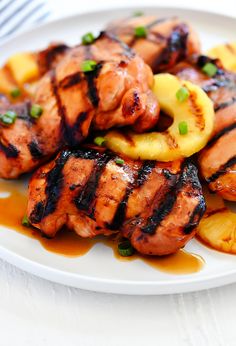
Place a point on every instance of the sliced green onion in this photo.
(99, 141)
(119, 161)
(25, 221)
(182, 94)
(209, 69)
(138, 14)
(125, 249)
(8, 118)
(140, 31)
(88, 65)
(15, 92)
(88, 38)
(183, 128)
(36, 111)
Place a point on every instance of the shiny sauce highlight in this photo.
(13, 202)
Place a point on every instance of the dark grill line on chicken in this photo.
(86, 197)
(220, 134)
(223, 169)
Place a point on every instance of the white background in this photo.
(36, 312)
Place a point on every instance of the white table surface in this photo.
(36, 312)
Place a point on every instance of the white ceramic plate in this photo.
(98, 270)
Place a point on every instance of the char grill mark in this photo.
(47, 57)
(220, 134)
(55, 182)
(144, 172)
(138, 181)
(200, 208)
(225, 104)
(37, 214)
(61, 109)
(86, 198)
(35, 150)
(91, 81)
(9, 150)
(75, 132)
(165, 206)
(222, 170)
(157, 21)
(176, 45)
(126, 50)
(71, 80)
(196, 216)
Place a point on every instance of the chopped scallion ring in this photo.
(182, 94)
(88, 38)
(88, 65)
(99, 141)
(36, 111)
(125, 249)
(15, 92)
(8, 118)
(183, 128)
(119, 161)
(25, 221)
(138, 14)
(140, 31)
(209, 69)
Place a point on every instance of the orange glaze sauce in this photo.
(13, 202)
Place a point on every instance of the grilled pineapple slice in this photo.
(226, 53)
(219, 230)
(24, 67)
(196, 113)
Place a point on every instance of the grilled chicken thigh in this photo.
(117, 92)
(218, 159)
(161, 42)
(156, 205)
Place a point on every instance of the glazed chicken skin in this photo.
(117, 92)
(156, 205)
(218, 159)
(165, 42)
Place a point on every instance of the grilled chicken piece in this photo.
(167, 41)
(116, 93)
(155, 204)
(218, 159)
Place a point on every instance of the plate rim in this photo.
(131, 287)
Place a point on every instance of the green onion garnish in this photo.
(140, 31)
(36, 111)
(8, 118)
(138, 14)
(119, 161)
(25, 221)
(182, 94)
(88, 65)
(209, 69)
(183, 128)
(125, 249)
(15, 92)
(99, 141)
(88, 38)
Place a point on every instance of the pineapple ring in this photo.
(226, 53)
(197, 112)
